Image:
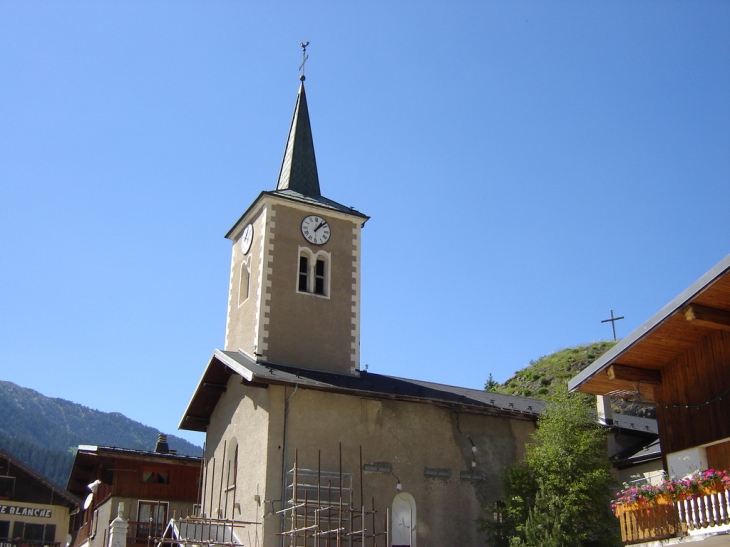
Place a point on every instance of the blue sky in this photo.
(528, 166)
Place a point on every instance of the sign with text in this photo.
(25, 511)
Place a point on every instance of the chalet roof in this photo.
(133, 453)
(87, 457)
(223, 364)
(703, 307)
(64, 494)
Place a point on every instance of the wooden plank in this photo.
(633, 374)
(692, 385)
(705, 316)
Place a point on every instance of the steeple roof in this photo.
(299, 166)
(298, 178)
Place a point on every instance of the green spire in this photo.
(299, 167)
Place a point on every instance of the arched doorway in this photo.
(403, 530)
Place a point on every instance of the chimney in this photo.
(161, 446)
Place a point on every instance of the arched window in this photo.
(303, 283)
(313, 272)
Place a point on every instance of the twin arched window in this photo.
(313, 273)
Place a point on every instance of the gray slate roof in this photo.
(134, 452)
(319, 201)
(635, 423)
(225, 363)
(299, 166)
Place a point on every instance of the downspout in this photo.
(283, 461)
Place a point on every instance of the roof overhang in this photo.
(68, 497)
(328, 206)
(224, 364)
(634, 365)
(212, 384)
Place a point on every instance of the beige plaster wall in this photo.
(276, 321)
(59, 517)
(107, 511)
(410, 436)
(253, 416)
(100, 535)
(305, 329)
(241, 324)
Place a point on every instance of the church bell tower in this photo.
(294, 295)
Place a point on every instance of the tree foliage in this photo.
(560, 493)
(52, 464)
(491, 384)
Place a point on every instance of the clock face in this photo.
(315, 230)
(247, 238)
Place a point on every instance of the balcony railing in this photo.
(664, 519)
(144, 532)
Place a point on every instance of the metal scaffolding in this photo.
(320, 510)
(204, 532)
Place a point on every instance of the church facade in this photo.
(302, 446)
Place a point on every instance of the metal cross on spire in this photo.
(613, 323)
(304, 59)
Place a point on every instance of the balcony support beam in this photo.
(633, 374)
(705, 316)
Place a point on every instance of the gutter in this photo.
(283, 460)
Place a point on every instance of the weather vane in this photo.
(304, 59)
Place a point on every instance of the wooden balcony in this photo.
(664, 520)
(147, 533)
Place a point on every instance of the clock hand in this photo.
(323, 223)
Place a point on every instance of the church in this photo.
(303, 446)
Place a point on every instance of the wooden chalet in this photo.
(679, 360)
(154, 486)
(34, 511)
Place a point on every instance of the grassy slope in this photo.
(540, 378)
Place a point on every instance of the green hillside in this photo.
(540, 378)
(44, 432)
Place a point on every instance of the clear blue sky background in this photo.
(528, 167)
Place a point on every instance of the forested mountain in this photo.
(44, 432)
